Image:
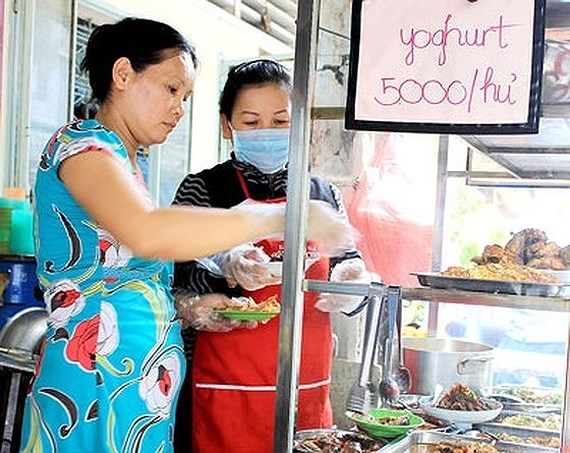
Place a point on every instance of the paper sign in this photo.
(446, 66)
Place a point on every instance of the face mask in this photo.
(265, 149)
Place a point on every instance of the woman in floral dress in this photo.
(112, 363)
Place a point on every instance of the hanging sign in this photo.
(446, 66)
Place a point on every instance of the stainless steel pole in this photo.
(565, 438)
(290, 322)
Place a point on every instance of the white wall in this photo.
(218, 36)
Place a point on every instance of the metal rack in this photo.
(293, 283)
(435, 295)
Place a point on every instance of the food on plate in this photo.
(342, 442)
(551, 421)
(531, 395)
(523, 259)
(399, 420)
(460, 397)
(497, 264)
(246, 304)
(543, 441)
(464, 447)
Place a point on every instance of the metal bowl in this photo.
(25, 330)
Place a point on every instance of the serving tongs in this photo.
(363, 394)
(388, 388)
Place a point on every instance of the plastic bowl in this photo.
(366, 422)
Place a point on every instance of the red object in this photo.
(390, 206)
(234, 376)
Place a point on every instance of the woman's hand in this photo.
(244, 265)
(198, 312)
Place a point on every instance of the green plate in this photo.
(243, 315)
(366, 422)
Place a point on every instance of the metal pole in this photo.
(565, 438)
(290, 322)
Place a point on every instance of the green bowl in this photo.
(369, 422)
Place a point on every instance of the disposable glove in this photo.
(244, 265)
(352, 270)
(324, 224)
(198, 312)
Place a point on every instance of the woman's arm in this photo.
(109, 195)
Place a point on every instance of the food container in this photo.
(437, 361)
(420, 442)
(308, 441)
(539, 439)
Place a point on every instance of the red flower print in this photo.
(82, 346)
(164, 380)
(64, 298)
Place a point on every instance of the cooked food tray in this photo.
(521, 432)
(426, 442)
(532, 408)
(436, 280)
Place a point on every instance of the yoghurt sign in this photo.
(446, 66)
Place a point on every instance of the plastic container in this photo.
(16, 227)
(22, 232)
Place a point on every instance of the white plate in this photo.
(454, 416)
(276, 267)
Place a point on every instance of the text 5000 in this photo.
(482, 88)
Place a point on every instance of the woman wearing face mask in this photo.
(232, 375)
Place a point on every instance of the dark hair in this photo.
(255, 72)
(143, 41)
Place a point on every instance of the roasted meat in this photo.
(519, 242)
(532, 248)
(496, 254)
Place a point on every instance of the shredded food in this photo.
(543, 441)
(551, 421)
(530, 395)
(501, 272)
(467, 447)
(269, 305)
(461, 397)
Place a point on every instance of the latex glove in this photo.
(329, 228)
(353, 271)
(244, 265)
(198, 312)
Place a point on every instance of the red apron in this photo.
(234, 374)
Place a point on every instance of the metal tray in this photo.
(436, 280)
(420, 442)
(363, 439)
(538, 396)
(519, 431)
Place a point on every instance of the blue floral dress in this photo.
(109, 374)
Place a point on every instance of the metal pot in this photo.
(434, 361)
